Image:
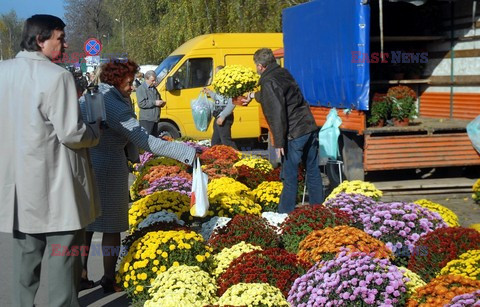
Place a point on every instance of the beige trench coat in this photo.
(46, 181)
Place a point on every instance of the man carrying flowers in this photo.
(295, 134)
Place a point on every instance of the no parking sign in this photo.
(92, 47)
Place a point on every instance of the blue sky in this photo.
(27, 8)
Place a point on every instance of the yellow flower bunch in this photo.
(255, 162)
(467, 265)
(476, 191)
(414, 281)
(229, 197)
(235, 80)
(170, 201)
(222, 260)
(157, 251)
(253, 294)
(357, 187)
(447, 215)
(267, 194)
(182, 286)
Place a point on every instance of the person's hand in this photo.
(207, 91)
(160, 103)
(280, 152)
(220, 121)
(248, 99)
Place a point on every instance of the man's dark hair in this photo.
(264, 56)
(41, 26)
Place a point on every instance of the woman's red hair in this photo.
(114, 73)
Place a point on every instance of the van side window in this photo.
(194, 73)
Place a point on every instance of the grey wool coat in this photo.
(110, 163)
(146, 103)
(46, 180)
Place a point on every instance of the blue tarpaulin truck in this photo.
(333, 49)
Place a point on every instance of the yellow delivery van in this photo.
(190, 68)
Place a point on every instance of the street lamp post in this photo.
(123, 33)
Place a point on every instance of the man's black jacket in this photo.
(286, 111)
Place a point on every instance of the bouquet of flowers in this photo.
(356, 205)
(249, 228)
(468, 299)
(174, 202)
(476, 191)
(253, 294)
(152, 227)
(447, 215)
(212, 224)
(157, 251)
(267, 194)
(326, 243)
(274, 266)
(258, 163)
(219, 169)
(223, 259)
(153, 173)
(229, 197)
(400, 225)
(219, 152)
(412, 280)
(301, 221)
(441, 290)
(401, 91)
(169, 183)
(467, 265)
(357, 187)
(251, 177)
(351, 279)
(235, 80)
(182, 286)
(275, 219)
(439, 247)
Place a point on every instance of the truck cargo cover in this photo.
(321, 39)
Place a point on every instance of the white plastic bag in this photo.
(199, 199)
(473, 130)
(328, 136)
(201, 112)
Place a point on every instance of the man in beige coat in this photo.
(47, 192)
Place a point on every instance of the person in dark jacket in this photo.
(295, 134)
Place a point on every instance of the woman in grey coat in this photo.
(110, 163)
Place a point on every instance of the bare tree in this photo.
(86, 19)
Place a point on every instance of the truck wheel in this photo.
(168, 129)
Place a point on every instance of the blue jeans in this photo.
(305, 149)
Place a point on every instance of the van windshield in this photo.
(166, 65)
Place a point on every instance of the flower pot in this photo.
(238, 100)
(401, 122)
(379, 124)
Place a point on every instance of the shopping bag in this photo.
(328, 136)
(473, 131)
(199, 197)
(201, 111)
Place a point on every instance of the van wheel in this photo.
(168, 129)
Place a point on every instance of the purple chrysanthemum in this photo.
(350, 280)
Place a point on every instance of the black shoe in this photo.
(86, 284)
(109, 285)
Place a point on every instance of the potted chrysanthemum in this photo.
(235, 80)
